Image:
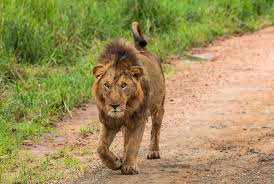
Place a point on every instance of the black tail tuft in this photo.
(139, 41)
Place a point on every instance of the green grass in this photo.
(66, 163)
(89, 129)
(47, 49)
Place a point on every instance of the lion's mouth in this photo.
(115, 114)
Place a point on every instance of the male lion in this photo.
(129, 87)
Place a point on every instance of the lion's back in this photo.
(153, 71)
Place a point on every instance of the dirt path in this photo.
(219, 120)
(218, 125)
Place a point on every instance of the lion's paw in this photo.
(153, 155)
(130, 169)
(121, 158)
(117, 164)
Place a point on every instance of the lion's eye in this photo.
(124, 86)
(106, 86)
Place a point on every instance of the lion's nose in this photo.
(114, 106)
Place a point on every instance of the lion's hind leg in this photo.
(156, 117)
(107, 157)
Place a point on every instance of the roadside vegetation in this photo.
(48, 47)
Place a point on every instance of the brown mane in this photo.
(119, 52)
(116, 54)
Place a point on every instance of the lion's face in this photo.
(117, 90)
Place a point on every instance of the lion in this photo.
(129, 87)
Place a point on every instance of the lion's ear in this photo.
(98, 70)
(136, 71)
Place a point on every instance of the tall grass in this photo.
(60, 31)
(47, 48)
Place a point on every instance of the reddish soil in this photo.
(219, 121)
(68, 132)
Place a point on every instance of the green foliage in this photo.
(47, 48)
(89, 129)
(59, 31)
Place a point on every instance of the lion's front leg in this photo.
(107, 157)
(133, 138)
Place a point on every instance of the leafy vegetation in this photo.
(47, 49)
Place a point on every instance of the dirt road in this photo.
(219, 120)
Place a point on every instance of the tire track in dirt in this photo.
(219, 123)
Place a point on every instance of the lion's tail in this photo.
(139, 41)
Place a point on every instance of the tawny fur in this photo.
(129, 87)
